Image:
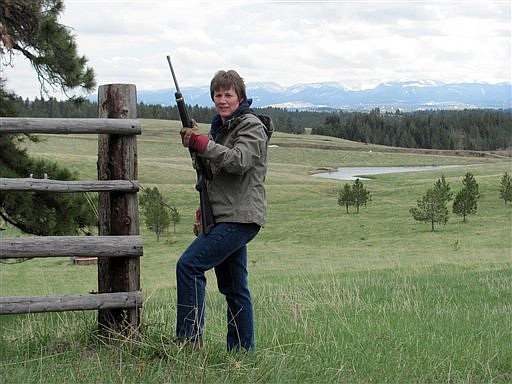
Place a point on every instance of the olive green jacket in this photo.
(237, 164)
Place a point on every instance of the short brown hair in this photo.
(226, 80)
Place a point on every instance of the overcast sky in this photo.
(358, 44)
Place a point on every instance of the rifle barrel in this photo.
(173, 75)
(207, 218)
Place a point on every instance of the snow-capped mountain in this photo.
(411, 95)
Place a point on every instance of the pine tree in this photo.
(44, 213)
(8, 105)
(431, 209)
(442, 187)
(175, 217)
(360, 194)
(345, 196)
(506, 187)
(30, 27)
(155, 211)
(465, 202)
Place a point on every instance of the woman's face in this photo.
(226, 102)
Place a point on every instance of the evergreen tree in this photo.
(442, 187)
(431, 209)
(360, 195)
(8, 102)
(31, 27)
(345, 196)
(175, 217)
(467, 129)
(465, 202)
(506, 187)
(155, 211)
(44, 213)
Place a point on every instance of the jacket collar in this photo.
(217, 123)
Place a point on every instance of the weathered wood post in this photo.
(118, 212)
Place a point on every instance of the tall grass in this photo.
(339, 298)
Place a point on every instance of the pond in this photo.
(352, 173)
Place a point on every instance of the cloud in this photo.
(356, 43)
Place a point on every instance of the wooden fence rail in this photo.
(30, 184)
(68, 126)
(60, 303)
(72, 246)
(119, 245)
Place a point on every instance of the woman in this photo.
(235, 157)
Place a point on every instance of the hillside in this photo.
(332, 143)
(339, 297)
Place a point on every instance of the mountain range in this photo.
(406, 96)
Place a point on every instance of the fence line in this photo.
(119, 245)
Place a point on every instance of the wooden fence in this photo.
(118, 246)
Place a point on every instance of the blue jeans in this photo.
(225, 249)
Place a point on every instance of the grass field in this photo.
(339, 298)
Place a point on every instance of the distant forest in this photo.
(469, 129)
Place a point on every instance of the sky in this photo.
(358, 44)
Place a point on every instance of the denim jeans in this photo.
(225, 249)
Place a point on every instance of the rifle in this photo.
(207, 218)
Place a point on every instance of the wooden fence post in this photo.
(118, 212)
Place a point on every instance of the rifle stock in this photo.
(207, 218)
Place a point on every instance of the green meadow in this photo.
(374, 297)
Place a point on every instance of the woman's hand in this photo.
(193, 139)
